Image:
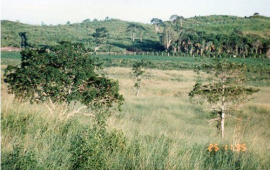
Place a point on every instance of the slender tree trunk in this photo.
(133, 36)
(168, 44)
(222, 121)
(174, 49)
(191, 50)
(156, 28)
(223, 113)
(201, 52)
(246, 50)
(138, 85)
(236, 50)
(137, 92)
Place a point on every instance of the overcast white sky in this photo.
(61, 11)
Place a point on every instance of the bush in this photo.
(61, 74)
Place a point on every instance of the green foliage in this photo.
(227, 80)
(230, 35)
(226, 89)
(33, 139)
(138, 72)
(92, 150)
(101, 36)
(62, 73)
(135, 29)
(157, 23)
(59, 144)
(10, 55)
(19, 159)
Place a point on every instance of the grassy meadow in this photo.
(160, 129)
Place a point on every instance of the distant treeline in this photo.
(202, 36)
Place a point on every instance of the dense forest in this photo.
(199, 35)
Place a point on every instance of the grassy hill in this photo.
(79, 32)
(218, 24)
(120, 40)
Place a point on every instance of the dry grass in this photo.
(163, 107)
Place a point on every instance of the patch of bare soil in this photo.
(10, 49)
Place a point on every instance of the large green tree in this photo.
(61, 74)
(169, 36)
(177, 20)
(134, 30)
(157, 23)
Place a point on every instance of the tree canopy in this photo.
(225, 90)
(61, 74)
(101, 36)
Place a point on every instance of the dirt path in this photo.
(10, 49)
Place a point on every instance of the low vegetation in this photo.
(61, 91)
(159, 129)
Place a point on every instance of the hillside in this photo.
(79, 32)
(252, 28)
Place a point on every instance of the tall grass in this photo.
(160, 129)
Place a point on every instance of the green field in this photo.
(161, 129)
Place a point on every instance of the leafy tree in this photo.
(235, 41)
(134, 29)
(138, 72)
(101, 36)
(257, 45)
(225, 90)
(156, 22)
(63, 73)
(142, 31)
(169, 36)
(86, 20)
(24, 39)
(256, 14)
(177, 20)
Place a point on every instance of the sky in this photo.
(60, 11)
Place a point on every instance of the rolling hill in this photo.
(120, 40)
